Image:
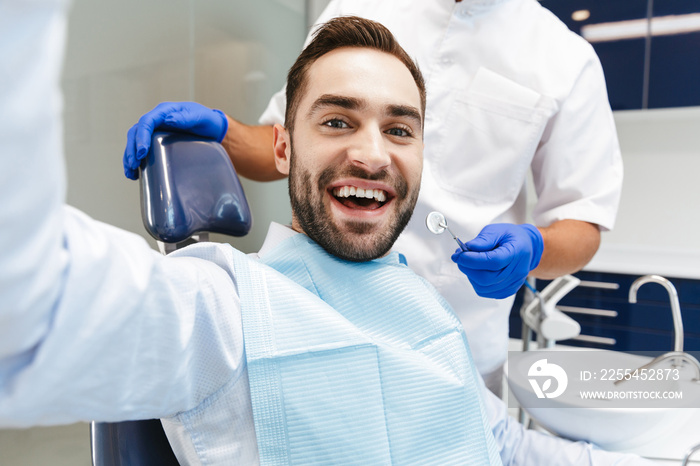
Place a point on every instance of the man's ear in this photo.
(282, 147)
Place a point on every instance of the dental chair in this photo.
(189, 189)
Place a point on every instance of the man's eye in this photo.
(335, 123)
(399, 132)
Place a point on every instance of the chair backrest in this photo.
(188, 188)
(130, 443)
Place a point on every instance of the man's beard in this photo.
(356, 242)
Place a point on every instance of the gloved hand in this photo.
(499, 259)
(189, 117)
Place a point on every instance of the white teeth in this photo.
(346, 191)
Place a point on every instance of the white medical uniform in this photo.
(509, 88)
(96, 325)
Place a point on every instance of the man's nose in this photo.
(369, 150)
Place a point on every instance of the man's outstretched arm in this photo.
(521, 446)
(94, 324)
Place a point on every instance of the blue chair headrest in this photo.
(189, 186)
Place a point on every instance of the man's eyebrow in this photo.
(406, 111)
(352, 103)
(331, 100)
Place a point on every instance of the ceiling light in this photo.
(580, 15)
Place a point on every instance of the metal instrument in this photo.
(437, 224)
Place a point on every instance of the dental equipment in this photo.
(542, 316)
(437, 224)
(539, 314)
(677, 356)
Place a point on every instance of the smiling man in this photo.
(356, 163)
(348, 356)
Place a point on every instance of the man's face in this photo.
(355, 156)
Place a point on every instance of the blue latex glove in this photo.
(499, 259)
(189, 117)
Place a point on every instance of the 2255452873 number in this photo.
(650, 374)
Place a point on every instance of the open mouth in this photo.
(360, 198)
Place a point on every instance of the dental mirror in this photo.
(437, 224)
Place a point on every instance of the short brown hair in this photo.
(344, 31)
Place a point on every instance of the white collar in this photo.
(275, 235)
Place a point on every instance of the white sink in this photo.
(610, 424)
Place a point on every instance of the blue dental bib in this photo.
(356, 363)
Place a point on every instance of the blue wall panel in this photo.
(674, 60)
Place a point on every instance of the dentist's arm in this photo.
(250, 150)
(568, 246)
(502, 255)
(248, 146)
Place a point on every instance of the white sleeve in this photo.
(93, 323)
(520, 446)
(578, 167)
(32, 184)
(274, 113)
